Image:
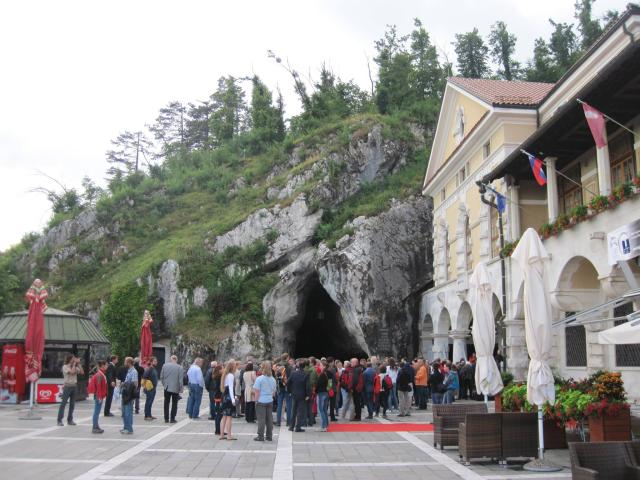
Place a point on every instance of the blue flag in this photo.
(501, 200)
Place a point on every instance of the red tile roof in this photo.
(504, 92)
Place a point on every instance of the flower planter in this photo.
(610, 428)
(555, 437)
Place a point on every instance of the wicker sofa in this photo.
(604, 461)
(498, 436)
(446, 419)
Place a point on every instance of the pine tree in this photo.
(472, 55)
(267, 123)
(563, 46)
(541, 67)
(229, 116)
(393, 90)
(503, 46)
(130, 148)
(169, 128)
(428, 77)
(197, 131)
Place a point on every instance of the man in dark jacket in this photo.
(300, 389)
(357, 386)
(404, 383)
(111, 384)
(369, 376)
(436, 380)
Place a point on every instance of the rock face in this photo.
(292, 226)
(374, 275)
(174, 300)
(85, 223)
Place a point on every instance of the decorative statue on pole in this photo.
(146, 341)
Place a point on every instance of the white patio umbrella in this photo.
(532, 258)
(488, 379)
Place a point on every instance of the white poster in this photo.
(624, 243)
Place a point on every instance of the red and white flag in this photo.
(595, 119)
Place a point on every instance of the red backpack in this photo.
(345, 379)
(387, 383)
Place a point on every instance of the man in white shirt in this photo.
(196, 386)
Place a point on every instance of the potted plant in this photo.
(578, 213)
(623, 192)
(561, 223)
(508, 248)
(546, 230)
(608, 413)
(514, 398)
(599, 203)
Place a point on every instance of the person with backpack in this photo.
(128, 393)
(150, 382)
(386, 387)
(357, 387)
(451, 382)
(346, 377)
(283, 372)
(99, 388)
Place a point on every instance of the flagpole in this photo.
(609, 118)
(562, 174)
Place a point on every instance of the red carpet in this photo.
(381, 427)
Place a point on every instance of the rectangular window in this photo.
(621, 158)
(575, 341)
(486, 150)
(626, 355)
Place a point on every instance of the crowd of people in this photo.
(299, 392)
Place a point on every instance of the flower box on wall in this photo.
(610, 428)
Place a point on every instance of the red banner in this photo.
(146, 340)
(595, 119)
(34, 336)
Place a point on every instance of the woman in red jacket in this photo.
(98, 386)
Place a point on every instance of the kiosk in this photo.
(65, 333)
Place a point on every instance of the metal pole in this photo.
(540, 435)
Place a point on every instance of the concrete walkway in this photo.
(37, 449)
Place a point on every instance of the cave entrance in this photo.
(322, 332)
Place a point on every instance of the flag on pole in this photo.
(536, 167)
(501, 200)
(595, 119)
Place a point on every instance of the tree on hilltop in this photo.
(503, 46)
(472, 55)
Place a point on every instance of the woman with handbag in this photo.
(228, 400)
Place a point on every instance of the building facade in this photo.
(483, 127)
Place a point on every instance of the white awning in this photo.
(624, 334)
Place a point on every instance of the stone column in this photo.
(440, 345)
(552, 188)
(427, 346)
(517, 357)
(596, 352)
(604, 168)
(513, 231)
(459, 344)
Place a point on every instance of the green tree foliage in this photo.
(197, 130)
(267, 121)
(589, 28)
(563, 46)
(472, 55)
(503, 45)
(229, 111)
(169, 128)
(9, 287)
(410, 78)
(121, 318)
(129, 149)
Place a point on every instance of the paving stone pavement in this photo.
(36, 449)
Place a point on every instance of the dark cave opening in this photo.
(322, 332)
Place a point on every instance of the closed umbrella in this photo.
(488, 379)
(34, 338)
(146, 340)
(533, 258)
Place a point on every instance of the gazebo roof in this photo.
(59, 327)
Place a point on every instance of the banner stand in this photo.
(32, 396)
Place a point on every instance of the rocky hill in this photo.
(319, 246)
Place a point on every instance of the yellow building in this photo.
(482, 128)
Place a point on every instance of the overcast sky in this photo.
(75, 74)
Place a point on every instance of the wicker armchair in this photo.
(480, 436)
(602, 461)
(519, 434)
(446, 419)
